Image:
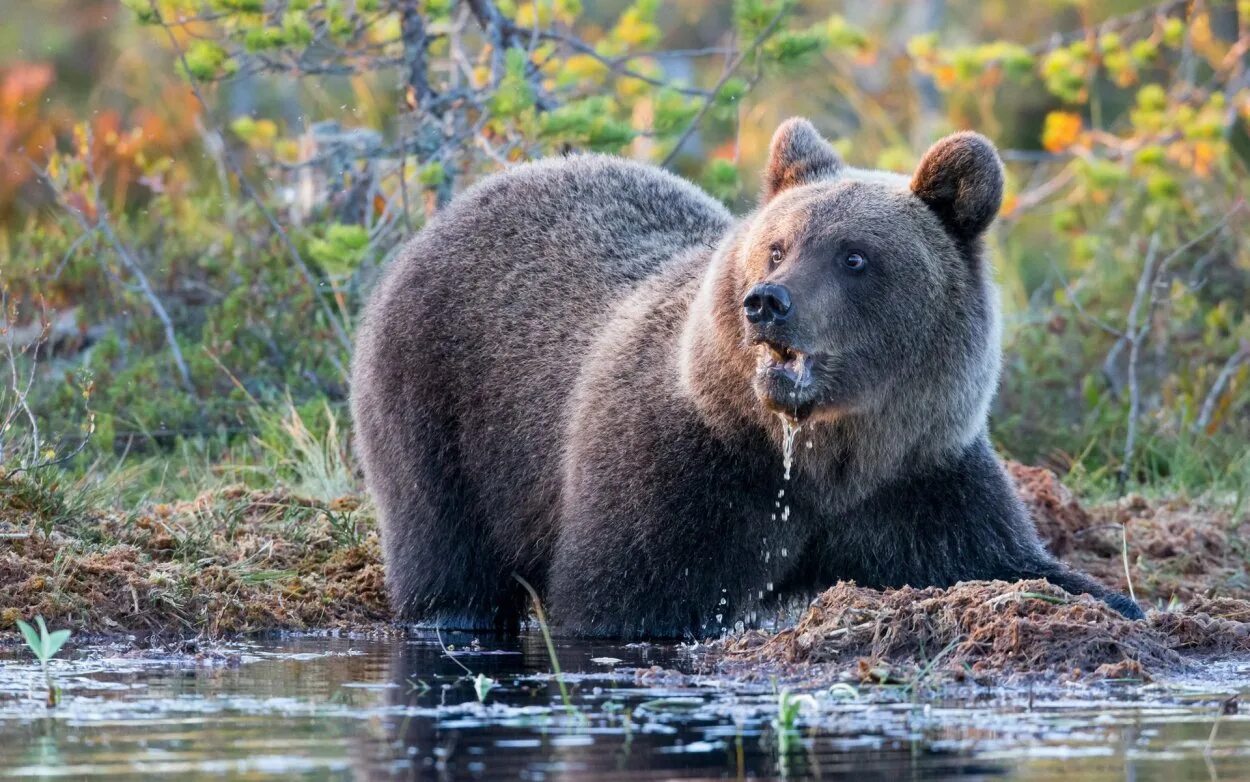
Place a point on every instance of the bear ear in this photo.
(797, 155)
(961, 179)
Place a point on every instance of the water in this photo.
(789, 430)
(337, 708)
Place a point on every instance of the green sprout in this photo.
(44, 645)
(482, 685)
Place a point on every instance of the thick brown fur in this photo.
(555, 378)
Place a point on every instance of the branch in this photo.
(617, 64)
(1076, 304)
(20, 405)
(416, 43)
(729, 71)
(128, 259)
(1134, 351)
(504, 35)
(1221, 382)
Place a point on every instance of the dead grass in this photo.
(230, 561)
(1178, 549)
(1187, 560)
(237, 561)
(993, 628)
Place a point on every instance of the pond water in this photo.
(342, 708)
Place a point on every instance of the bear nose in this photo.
(767, 303)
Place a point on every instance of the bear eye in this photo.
(855, 261)
(774, 255)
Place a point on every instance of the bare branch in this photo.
(729, 71)
(618, 64)
(1076, 304)
(128, 259)
(1207, 412)
(416, 43)
(1134, 337)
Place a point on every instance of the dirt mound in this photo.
(1055, 510)
(229, 561)
(988, 628)
(1177, 549)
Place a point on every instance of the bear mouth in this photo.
(782, 362)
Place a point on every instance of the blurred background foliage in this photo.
(195, 195)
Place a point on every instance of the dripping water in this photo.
(789, 430)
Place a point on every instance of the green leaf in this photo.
(482, 685)
(432, 174)
(32, 638)
(515, 94)
(205, 60)
(342, 249)
(54, 641)
(721, 178)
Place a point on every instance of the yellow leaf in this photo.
(1061, 130)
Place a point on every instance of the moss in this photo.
(227, 562)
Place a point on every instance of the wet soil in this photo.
(235, 561)
(985, 631)
(228, 562)
(1189, 566)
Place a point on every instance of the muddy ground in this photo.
(228, 562)
(1189, 565)
(235, 561)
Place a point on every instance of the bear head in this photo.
(851, 292)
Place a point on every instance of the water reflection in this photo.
(339, 708)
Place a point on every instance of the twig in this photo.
(729, 71)
(1031, 198)
(1222, 380)
(1134, 351)
(128, 259)
(617, 64)
(20, 404)
(1076, 304)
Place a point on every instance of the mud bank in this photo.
(986, 630)
(1178, 549)
(1188, 565)
(228, 562)
(235, 561)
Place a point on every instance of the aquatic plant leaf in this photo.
(53, 642)
(32, 639)
(482, 685)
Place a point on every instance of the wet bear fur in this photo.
(555, 378)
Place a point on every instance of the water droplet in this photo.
(789, 431)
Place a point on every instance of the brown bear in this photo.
(584, 371)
